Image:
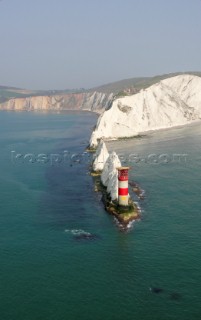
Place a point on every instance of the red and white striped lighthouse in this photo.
(123, 185)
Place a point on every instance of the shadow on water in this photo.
(67, 204)
(176, 296)
(65, 199)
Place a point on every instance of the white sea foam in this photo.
(131, 225)
(138, 206)
(78, 232)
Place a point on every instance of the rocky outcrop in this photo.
(100, 157)
(93, 101)
(107, 183)
(109, 176)
(107, 165)
(171, 102)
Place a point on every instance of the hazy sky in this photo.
(49, 44)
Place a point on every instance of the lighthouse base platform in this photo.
(124, 214)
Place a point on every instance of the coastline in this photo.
(142, 134)
(161, 135)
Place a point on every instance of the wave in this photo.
(124, 228)
(78, 232)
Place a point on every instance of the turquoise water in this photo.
(47, 272)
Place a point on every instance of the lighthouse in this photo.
(123, 186)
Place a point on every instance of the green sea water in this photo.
(49, 271)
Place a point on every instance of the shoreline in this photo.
(149, 133)
(50, 111)
(157, 136)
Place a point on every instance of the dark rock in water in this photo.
(175, 296)
(156, 290)
(86, 236)
(133, 184)
(137, 190)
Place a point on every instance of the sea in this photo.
(63, 257)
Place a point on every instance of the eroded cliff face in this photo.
(171, 102)
(93, 101)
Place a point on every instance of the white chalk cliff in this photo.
(171, 102)
(100, 157)
(109, 176)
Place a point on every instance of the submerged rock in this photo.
(175, 296)
(80, 234)
(156, 290)
(86, 236)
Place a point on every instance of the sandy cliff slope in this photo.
(92, 101)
